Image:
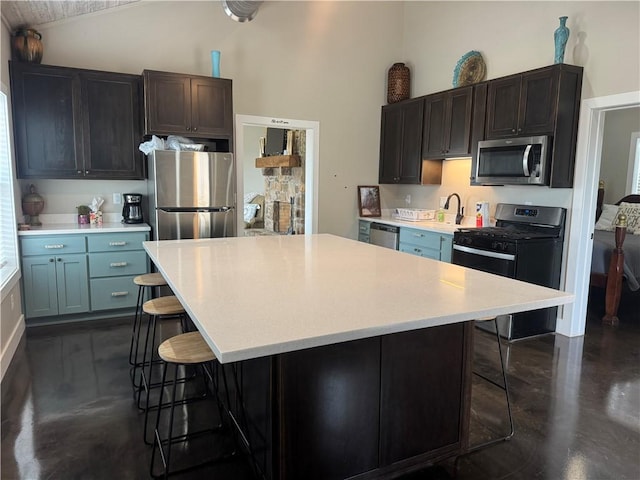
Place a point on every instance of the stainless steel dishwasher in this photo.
(384, 235)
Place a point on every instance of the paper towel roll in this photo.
(482, 214)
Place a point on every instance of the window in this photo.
(8, 238)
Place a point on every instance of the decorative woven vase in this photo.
(27, 45)
(398, 83)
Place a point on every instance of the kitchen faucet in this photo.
(459, 211)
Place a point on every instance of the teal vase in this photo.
(215, 63)
(560, 37)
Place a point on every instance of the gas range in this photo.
(525, 244)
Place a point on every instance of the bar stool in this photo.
(161, 308)
(504, 386)
(187, 349)
(146, 281)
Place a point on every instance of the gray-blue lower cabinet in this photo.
(76, 273)
(426, 244)
(55, 285)
(364, 229)
(54, 275)
(114, 260)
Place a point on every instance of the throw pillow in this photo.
(250, 210)
(608, 215)
(632, 211)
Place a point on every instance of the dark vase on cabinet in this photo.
(447, 124)
(73, 123)
(188, 105)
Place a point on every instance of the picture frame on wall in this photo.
(369, 201)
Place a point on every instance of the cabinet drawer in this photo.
(420, 251)
(116, 242)
(109, 264)
(364, 238)
(53, 245)
(108, 293)
(420, 238)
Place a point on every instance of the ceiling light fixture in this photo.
(241, 11)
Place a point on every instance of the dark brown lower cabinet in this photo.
(362, 409)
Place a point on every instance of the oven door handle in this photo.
(525, 161)
(485, 253)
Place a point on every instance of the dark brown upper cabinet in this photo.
(545, 101)
(73, 123)
(447, 124)
(401, 142)
(187, 105)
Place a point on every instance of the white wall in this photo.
(320, 61)
(616, 140)
(327, 61)
(253, 178)
(514, 37)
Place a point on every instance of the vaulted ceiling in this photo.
(31, 13)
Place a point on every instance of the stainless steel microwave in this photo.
(513, 161)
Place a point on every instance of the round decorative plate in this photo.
(469, 69)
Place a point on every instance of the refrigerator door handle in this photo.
(194, 209)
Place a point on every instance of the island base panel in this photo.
(368, 408)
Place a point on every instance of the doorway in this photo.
(587, 170)
(248, 129)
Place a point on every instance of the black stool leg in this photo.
(147, 381)
(505, 382)
(135, 333)
(505, 387)
(157, 440)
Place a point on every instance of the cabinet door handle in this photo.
(57, 245)
(417, 250)
(419, 235)
(117, 244)
(59, 259)
(195, 129)
(188, 129)
(119, 294)
(80, 172)
(86, 172)
(118, 264)
(52, 259)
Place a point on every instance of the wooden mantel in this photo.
(278, 161)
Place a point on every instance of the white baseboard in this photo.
(11, 346)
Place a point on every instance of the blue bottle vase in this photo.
(215, 63)
(560, 37)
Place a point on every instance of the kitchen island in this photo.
(350, 360)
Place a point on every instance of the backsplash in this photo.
(455, 179)
(61, 197)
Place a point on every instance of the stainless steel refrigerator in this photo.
(191, 195)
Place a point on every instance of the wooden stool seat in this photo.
(168, 305)
(187, 348)
(150, 280)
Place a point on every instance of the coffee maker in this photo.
(132, 209)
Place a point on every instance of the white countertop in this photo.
(264, 295)
(448, 227)
(73, 228)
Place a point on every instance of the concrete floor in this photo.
(68, 410)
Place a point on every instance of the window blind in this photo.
(8, 238)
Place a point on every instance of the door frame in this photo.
(583, 209)
(312, 129)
